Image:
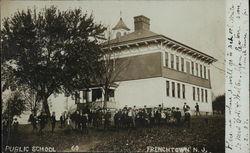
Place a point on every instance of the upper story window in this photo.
(192, 67)
(172, 61)
(205, 95)
(205, 72)
(196, 69)
(182, 64)
(166, 59)
(201, 73)
(177, 63)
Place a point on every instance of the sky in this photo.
(199, 24)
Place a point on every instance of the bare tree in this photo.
(33, 102)
(109, 70)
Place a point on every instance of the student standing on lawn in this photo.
(197, 110)
(152, 117)
(107, 117)
(53, 122)
(130, 117)
(61, 120)
(134, 115)
(187, 116)
(185, 107)
(33, 121)
(15, 126)
(42, 120)
(178, 116)
(157, 116)
(116, 120)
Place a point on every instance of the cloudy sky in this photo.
(197, 23)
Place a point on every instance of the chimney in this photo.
(141, 23)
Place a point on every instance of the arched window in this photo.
(118, 34)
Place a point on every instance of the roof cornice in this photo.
(164, 41)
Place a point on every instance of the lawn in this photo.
(200, 136)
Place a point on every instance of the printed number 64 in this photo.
(75, 148)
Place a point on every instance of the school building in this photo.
(160, 71)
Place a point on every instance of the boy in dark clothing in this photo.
(42, 120)
(83, 123)
(187, 117)
(33, 121)
(107, 117)
(15, 126)
(197, 110)
(53, 122)
(158, 117)
(117, 119)
(61, 121)
(178, 116)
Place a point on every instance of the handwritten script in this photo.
(237, 72)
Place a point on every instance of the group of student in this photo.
(42, 120)
(10, 126)
(125, 118)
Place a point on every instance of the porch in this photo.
(94, 98)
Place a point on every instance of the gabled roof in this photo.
(121, 25)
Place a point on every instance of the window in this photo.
(202, 95)
(96, 94)
(173, 89)
(201, 67)
(172, 61)
(178, 90)
(194, 93)
(183, 91)
(177, 63)
(205, 72)
(111, 94)
(84, 95)
(77, 97)
(208, 72)
(182, 64)
(196, 68)
(206, 95)
(198, 94)
(192, 67)
(167, 88)
(118, 34)
(166, 59)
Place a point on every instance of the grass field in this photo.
(209, 136)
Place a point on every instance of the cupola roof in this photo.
(121, 25)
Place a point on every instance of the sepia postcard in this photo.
(125, 76)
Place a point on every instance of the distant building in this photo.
(161, 71)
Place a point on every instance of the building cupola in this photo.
(120, 29)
